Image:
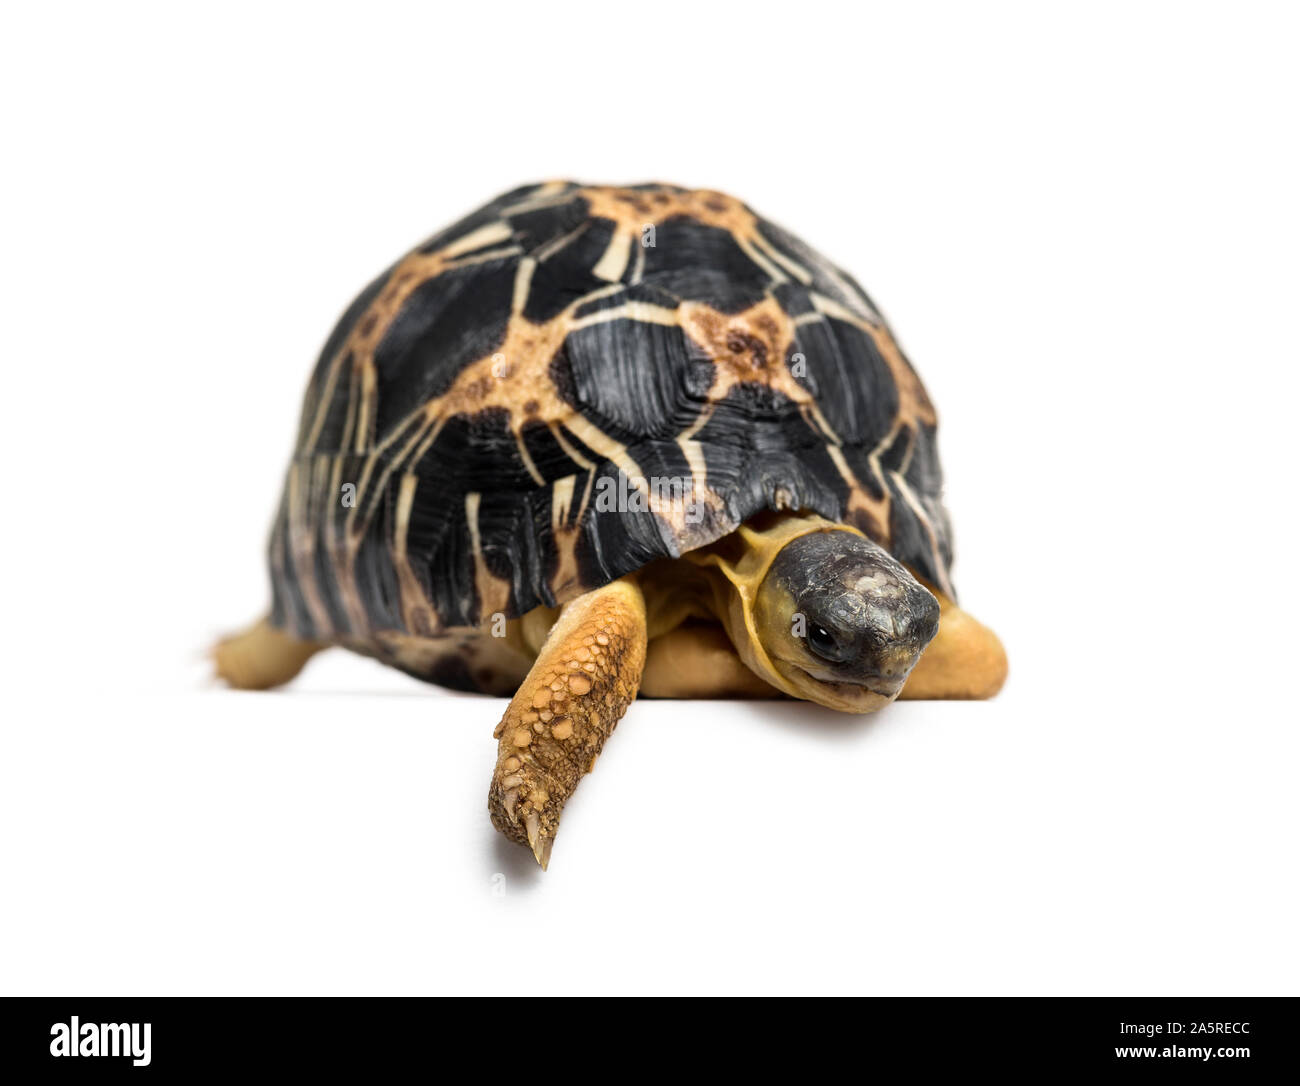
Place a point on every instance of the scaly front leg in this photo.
(585, 677)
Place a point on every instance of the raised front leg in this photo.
(965, 659)
(585, 677)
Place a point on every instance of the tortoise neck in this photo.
(736, 565)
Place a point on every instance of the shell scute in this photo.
(478, 404)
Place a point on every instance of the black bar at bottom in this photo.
(527, 1035)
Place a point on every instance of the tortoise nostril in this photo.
(923, 621)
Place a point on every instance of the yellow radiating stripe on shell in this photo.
(613, 263)
(917, 508)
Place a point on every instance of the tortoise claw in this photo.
(540, 845)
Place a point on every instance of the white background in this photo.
(1083, 226)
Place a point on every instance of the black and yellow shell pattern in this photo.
(574, 381)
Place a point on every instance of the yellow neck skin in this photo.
(742, 560)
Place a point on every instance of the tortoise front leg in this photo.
(585, 677)
(964, 661)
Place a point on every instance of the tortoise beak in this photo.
(825, 688)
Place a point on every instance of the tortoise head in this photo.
(842, 621)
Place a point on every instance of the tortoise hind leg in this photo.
(964, 661)
(261, 657)
(585, 676)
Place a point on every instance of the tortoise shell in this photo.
(574, 381)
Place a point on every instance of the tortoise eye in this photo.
(825, 645)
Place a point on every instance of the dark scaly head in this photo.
(842, 621)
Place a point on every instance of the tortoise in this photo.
(592, 441)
